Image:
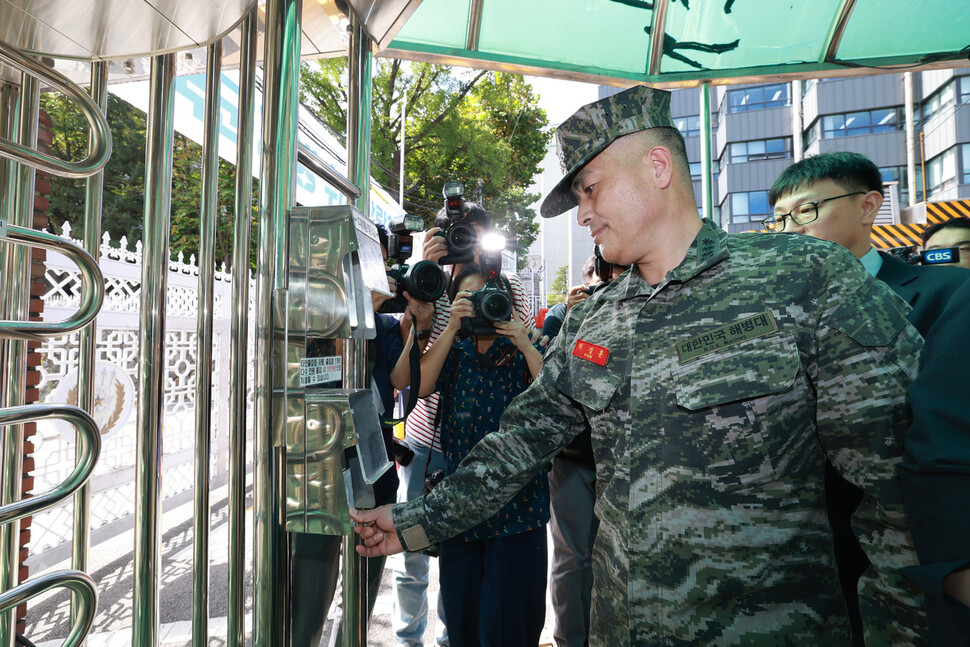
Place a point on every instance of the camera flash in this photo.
(493, 242)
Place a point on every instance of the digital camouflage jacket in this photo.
(712, 399)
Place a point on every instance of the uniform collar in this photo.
(708, 248)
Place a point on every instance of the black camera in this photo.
(603, 269)
(424, 281)
(432, 479)
(492, 303)
(460, 236)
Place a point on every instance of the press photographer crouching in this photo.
(493, 577)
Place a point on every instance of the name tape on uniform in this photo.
(591, 352)
(319, 370)
(753, 327)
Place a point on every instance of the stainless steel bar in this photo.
(9, 97)
(658, 33)
(17, 275)
(151, 356)
(240, 333)
(360, 93)
(94, 194)
(100, 148)
(281, 64)
(707, 178)
(82, 588)
(92, 284)
(309, 159)
(203, 371)
(88, 450)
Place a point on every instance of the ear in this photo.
(661, 166)
(871, 203)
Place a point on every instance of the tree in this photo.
(124, 176)
(467, 126)
(124, 180)
(560, 286)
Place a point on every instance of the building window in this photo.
(810, 136)
(866, 122)
(761, 149)
(758, 97)
(941, 172)
(898, 175)
(696, 168)
(963, 85)
(938, 102)
(688, 126)
(965, 154)
(749, 206)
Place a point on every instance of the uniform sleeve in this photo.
(535, 426)
(935, 471)
(866, 357)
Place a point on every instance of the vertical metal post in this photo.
(240, 333)
(797, 123)
(203, 371)
(151, 354)
(16, 274)
(94, 192)
(707, 192)
(910, 138)
(281, 65)
(359, 101)
(9, 97)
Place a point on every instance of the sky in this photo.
(561, 98)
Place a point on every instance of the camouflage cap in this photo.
(594, 127)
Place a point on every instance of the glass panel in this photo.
(756, 150)
(965, 154)
(884, 121)
(881, 28)
(705, 35)
(739, 204)
(739, 152)
(759, 203)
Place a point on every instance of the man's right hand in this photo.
(435, 246)
(376, 528)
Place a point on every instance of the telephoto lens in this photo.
(425, 281)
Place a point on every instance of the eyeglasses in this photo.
(803, 214)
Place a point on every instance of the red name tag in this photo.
(591, 352)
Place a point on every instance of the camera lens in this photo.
(496, 306)
(461, 238)
(425, 281)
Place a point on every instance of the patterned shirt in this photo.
(714, 398)
(419, 426)
(474, 399)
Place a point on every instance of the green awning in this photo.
(716, 40)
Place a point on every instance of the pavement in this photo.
(110, 564)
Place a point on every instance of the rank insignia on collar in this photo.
(591, 352)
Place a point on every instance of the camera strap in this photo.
(414, 360)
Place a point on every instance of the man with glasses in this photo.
(836, 197)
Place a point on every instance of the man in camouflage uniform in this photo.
(716, 374)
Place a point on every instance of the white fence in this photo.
(113, 491)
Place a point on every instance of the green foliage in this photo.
(124, 176)
(460, 125)
(124, 180)
(560, 286)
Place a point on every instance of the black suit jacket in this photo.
(927, 289)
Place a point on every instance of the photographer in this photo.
(421, 433)
(493, 577)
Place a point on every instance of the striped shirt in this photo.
(419, 428)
